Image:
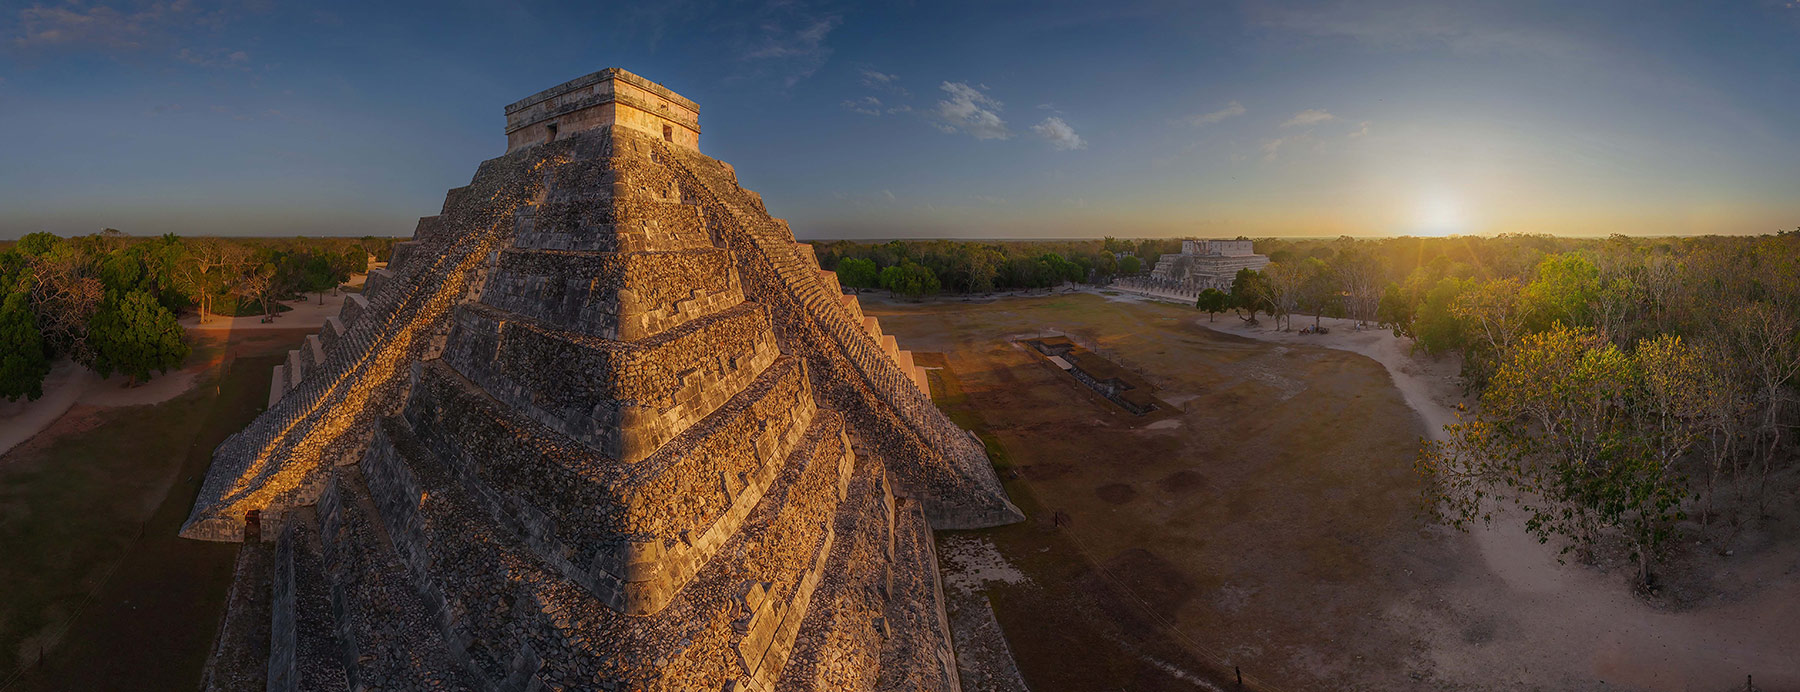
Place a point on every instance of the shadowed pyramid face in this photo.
(602, 423)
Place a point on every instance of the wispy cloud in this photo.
(235, 59)
(867, 105)
(1059, 134)
(790, 43)
(130, 28)
(878, 79)
(1272, 149)
(1231, 110)
(1310, 116)
(1362, 129)
(882, 81)
(970, 111)
(99, 26)
(1472, 28)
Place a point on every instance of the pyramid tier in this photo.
(514, 610)
(327, 411)
(621, 296)
(631, 533)
(930, 458)
(622, 399)
(613, 195)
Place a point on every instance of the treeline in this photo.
(109, 301)
(923, 267)
(1627, 385)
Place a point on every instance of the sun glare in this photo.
(1440, 214)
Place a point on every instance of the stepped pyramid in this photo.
(601, 424)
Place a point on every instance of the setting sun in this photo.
(1440, 214)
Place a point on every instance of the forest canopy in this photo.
(109, 301)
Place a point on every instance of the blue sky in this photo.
(918, 119)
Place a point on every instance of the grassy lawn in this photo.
(95, 581)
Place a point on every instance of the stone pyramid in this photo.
(601, 424)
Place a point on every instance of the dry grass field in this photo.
(98, 592)
(1268, 526)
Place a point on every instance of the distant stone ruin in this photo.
(601, 424)
(1204, 264)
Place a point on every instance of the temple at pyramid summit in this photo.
(602, 424)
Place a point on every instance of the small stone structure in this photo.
(1117, 384)
(602, 424)
(1204, 264)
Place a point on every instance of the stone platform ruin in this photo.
(601, 424)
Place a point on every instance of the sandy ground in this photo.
(308, 314)
(20, 420)
(1551, 620)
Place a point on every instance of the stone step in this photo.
(378, 279)
(315, 350)
(391, 633)
(296, 369)
(355, 306)
(403, 253)
(277, 385)
(481, 578)
(621, 399)
(304, 653)
(720, 466)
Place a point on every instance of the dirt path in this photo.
(21, 420)
(1534, 620)
(69, 383)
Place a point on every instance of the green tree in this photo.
(1435, 328)
(1213, 301)
(34, 244)
(858, 273)
(133, 334)
(1583, 437)
(24, 357)
(1320, 292)
(1395, 310)
(909, 279)
(1248, 292)
(1566, 287)
(1130, 265)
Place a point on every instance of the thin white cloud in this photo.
(220, 58)
(970, 111)
(1310, 116)
(1272, 149)
(867, 105)
(876, 79)
(1470, 28)
(1231, 110)
(74, 25)
(1059, 134)
(153, 27)
(793, 49)
(1362, 130)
